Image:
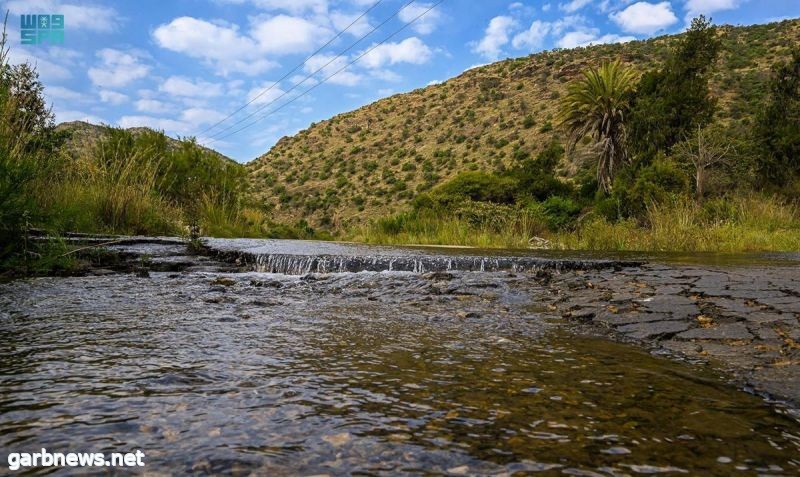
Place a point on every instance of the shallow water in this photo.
(370, 373)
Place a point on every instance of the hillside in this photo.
(83, 136)
(372, 161)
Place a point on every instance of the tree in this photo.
(672, 102)
(705, 151)
(597, 105)
(778, 129)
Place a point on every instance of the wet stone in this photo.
(653, 329)
(731, 331)
(630, 318)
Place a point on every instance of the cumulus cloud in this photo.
(574, 5)
(411, 50)
(60, 93)
(329, 66)
(589, 37)
(170, 125)
(112, 97)
(272, 92)
(427, 23)
(117, 68)
(152, 106)
(532, 38)
(293, 6)
(706, 7)
(495, 37)
(181, 86)
(200, 116)
(645, 18)
(221, 45)
(284, 35)
(340, 21)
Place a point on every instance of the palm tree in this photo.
(597, 105)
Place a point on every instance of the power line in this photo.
(311, 75)
(293, 69)
(331, 76)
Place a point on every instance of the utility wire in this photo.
(311, 75)
(293, 69)
(331, 76)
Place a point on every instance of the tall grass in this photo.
(511, 230)
(748, 223)
(745, 223)
(115, 195)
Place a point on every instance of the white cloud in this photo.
(645, 18)
(271, 90)
(152, 106)
(181, 86)
(60, 93)
(223, 46)
(117, 68)
(706, 7)
(495, 37)
(574, 5)
(200, 116)
(532, 38)
(79, 17)
(411, 50)
(424, 25)
(108, 96)
(346, 78)
(341, 21)
(293, 6)
(589, 37)
(171, 126)
(284, 35)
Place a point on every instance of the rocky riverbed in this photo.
(468, 364)
(743, 316)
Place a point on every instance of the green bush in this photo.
(560, 212)
(638, 189)
(476, 186)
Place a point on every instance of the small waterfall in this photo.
(292, 264)
(293, 257)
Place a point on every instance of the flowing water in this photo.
(358, 373)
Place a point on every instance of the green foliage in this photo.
(673, 101)
(597, 105)
(638, 189)
(778, 129)
(535, 178)
(476, 186)
(27, 142)
(560, 212)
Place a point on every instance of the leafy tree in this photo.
(778, 129)
(671, 103)
(597, 105)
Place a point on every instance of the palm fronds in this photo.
(597, 105)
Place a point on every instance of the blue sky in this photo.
(183, 65)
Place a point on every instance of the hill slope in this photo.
(372, 161)
(83, 136)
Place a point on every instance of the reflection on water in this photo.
(357, 373)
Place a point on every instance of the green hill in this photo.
(371, 162)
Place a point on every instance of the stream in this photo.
(299, 358)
